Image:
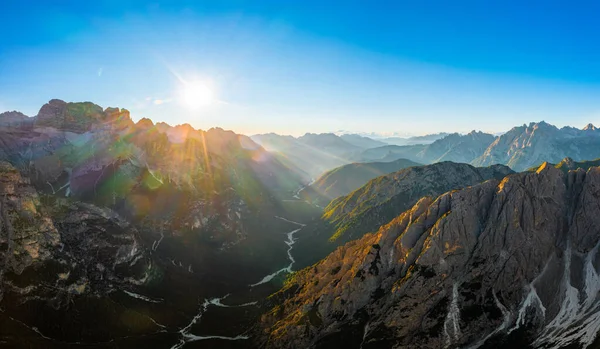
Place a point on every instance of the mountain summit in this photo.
(529, 145)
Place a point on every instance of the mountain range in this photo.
(174, 237)
(507, 263)
(347, 178)
(101, 217)
(519, 148)
(528, 145)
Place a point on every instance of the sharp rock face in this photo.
(506, 263)
(92, 203)
(457, 148)
(530, 145)
(380, 200)
(45, 246)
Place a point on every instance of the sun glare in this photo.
(197, 94)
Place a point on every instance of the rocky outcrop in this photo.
(45, 246)
(11, 118)
(568, 164)
(457, 148)
(128, 225)
(530, 145)
(345, 179)
(28, 236)
(81, 151)
(377, 202)
(81, 117)
(506, 263)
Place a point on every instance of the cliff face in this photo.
(505, 263)
(457, 148)
(53, 250)
(127, 225)
(185, 178)
(530, 145)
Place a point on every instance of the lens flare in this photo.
(197, 94)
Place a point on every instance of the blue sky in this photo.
(411, 67)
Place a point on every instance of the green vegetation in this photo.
(346, 179)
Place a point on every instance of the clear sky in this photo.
(411, 67)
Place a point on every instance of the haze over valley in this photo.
(314, 175)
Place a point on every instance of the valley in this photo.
(226, 174)
(180, 238)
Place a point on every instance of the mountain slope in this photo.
(427, 139)
(345, 179)
(568, 164)
(389, 153)
(103, 219)
(451, 147)
(329, 143)
(502, 264)
(374, 204)
(361, 141)
(528, 145)
(311, 159)
(457, 148)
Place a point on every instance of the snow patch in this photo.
(452, 323)
(142, 297)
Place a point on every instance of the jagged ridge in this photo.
(500, 264)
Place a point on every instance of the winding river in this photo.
(185, 333)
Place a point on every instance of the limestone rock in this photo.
(502, 263)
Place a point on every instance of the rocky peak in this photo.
(502, 262)
(144, 123)
(568, 163)
(382, 198)
(120, 119)
(541, 126)
(73, 117)
(590, 127)
(12, 118)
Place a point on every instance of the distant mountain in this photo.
(12, 118)
(451, 147)
(378, 201)
(507, 263)
(345, 179)
(520, 148)
(329, 143)
(389, 153)
(310, 160)
(362, 142)
(313, 153)
(456, 147)
(415, 139)
(528, 145)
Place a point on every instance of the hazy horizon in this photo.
(364, 133)
(295, 68)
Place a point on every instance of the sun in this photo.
(197, 94)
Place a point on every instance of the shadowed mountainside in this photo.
(345, 179)
(374, 204)
(104, 220)
(502, 264)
